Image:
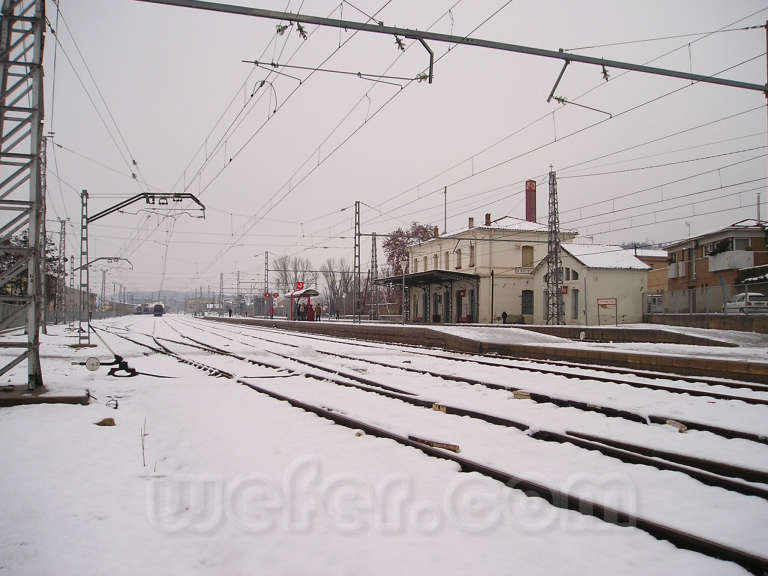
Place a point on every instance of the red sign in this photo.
(299, 285)
(563, 289)
(275, 295)
(266, 294)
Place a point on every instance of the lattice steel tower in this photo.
(374, 299)
(554, 265)
(356, 272)
(22, 31)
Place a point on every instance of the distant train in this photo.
(158, 309)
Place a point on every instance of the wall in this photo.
(627, 286)
(741, 322)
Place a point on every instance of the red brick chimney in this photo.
(471, 222)
(435, 232)
(530, 200)
(487, 218)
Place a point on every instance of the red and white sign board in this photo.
(299, 285)
(276, 295)
(266, 294)
(563, 289)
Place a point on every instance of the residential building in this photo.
(704, 269)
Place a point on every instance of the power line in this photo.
(133, 163)
(546, 115)
(665, 164)
(673, 37)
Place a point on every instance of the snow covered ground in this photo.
(202, 475)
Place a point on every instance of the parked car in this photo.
(747, 302)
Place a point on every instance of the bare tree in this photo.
(338, 284)
(294, 269)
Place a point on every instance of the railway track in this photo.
(592, 372)
(559, 499)
(562, 402)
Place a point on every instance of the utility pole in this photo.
(554, 265)
(22, 27)
(266, 283)
(356, 278)
(61, 270)
(445, 209)
(221, 293)
(103, 306)
(83, 326)
(43, 285)
(70, 302)
(374, 299)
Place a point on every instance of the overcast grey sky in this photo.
(196, 118)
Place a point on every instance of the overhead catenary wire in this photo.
(670, 37)
(132, 164)
(545, 116)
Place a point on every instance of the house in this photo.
(478, 273)
(703, 270)
(601, 284)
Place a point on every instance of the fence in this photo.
(705, 300)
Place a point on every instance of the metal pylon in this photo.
(21, 207)
(374, 315)
(356, 273)
(554, 265)
(84, 312)
(61, 271)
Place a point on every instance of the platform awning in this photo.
(305, 292)
(428, 277)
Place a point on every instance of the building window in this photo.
(425, 264)
(471, 255)
(527, 257)
(741, 243)
(415, 265)
(435, 263)
(458, 258)
(574, 275)
(527, 304)
(446, 261)
(567, 273)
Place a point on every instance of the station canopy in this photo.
(305, 292)
(427, 277)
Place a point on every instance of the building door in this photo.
(574, 304)
(425, 305)
(435, 307)
(471, 312)
(459, 308)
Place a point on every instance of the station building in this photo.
(477, 274)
